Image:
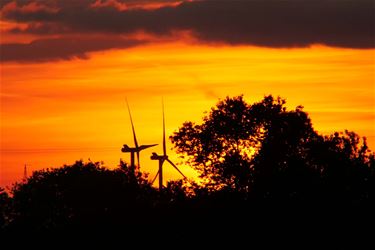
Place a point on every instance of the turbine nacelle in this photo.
(126, 149)
(155, 156)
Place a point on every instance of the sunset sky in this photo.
(68, 66)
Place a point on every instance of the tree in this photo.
(220, 147)
(281, 166)
(273, 153)
(81, 195)
(4, 207)
(347, 167)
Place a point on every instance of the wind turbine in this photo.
(137, 148)
(163, 158)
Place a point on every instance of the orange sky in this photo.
(57, 112)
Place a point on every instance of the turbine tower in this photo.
(163, 158)
(137, 148)
(25, 173)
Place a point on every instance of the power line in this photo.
(51, 150)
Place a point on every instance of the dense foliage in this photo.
(266, 151)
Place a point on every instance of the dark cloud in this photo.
(4, 2)
(61, 48)
(273, 23)
(69, 4)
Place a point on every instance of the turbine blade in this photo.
(164, 142)
(156, 176)
(170, 162)
(131, 121)
(140, 148)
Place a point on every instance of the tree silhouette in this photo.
(81, 195)
(281, 168)
(347, 167)
(272, 153)
(4, 209)
(217, 147)
(223, 146)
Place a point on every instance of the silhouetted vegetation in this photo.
(267, 152)
(258, 163)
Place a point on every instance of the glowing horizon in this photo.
(76, 109)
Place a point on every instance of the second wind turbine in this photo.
(163, 158)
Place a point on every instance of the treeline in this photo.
(259, 164)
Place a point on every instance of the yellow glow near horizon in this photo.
(55, 113)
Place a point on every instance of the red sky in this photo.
(67, 68)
